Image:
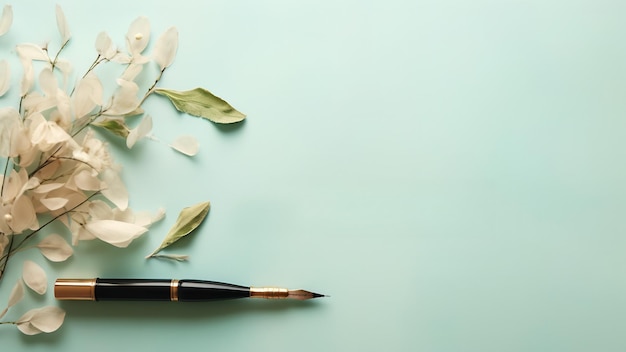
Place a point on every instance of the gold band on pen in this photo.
(268, 292)
(75, 289)
(174, 290)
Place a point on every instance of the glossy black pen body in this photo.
(100, 289)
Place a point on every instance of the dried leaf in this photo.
(176, 257)
(5, 77)
(55, 248)
(165, 48)
(64, 29)
(46, 319)
(35, 277)
(115, 126)
(186, 144)
(188, 220)
(6, 19)
(202, 103)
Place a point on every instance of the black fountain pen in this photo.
(166, 290)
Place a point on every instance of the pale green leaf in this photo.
(202, 103)
(188, 220)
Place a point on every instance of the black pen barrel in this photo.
(147, 290)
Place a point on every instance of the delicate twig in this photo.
(56, 57)
(30, 235)
(151, 89)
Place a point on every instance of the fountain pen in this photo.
(166, 290)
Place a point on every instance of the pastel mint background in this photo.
(451, 172)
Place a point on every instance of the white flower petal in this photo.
(117, 233)
(48, 83)
(131, 72)
(27, 328)
(46, 319)
(186, 144)
(142, 130)
(55, 248)
(138, 35)
(87, 95)
(105, 46)
(29, 51)
(5, 77)
(124, 99)
(64, 29)
(23, 214)
(165, 48)
(100, 210)
(35, 277)
(85, 180)
(54, 203)
(10, 123)
(6, 19)
(48, 187)
(17, 293)
(114, 189)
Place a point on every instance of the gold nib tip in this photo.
(303, 295)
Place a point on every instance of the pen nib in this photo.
(303, 295)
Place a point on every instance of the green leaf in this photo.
(116, 127)
(202, 103)
(188, 220)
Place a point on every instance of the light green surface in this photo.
(451, 172)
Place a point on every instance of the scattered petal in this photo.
(64, 29)
(55, 248)
(117, 233)
(165, 48)
(186, 144)
(35, 277)
(5, 77)
(46, 319)
(6, 19)
(142, 130)
(145, 219)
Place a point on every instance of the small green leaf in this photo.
(116, 127)
(202, 103)
(188, 220)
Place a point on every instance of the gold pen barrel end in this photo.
(75, 289)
